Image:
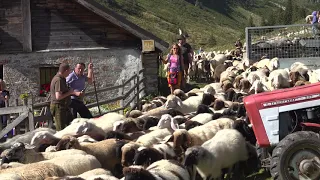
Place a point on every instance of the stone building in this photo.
(37, 35)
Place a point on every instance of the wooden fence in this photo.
(25, 112)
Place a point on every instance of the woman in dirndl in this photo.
(175, 67)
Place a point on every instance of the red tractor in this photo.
(286, 124)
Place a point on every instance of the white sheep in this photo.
(272, 64)
(153, 137)
(104, 122)
(23, 138)
(72, 165)
(278, 79)
(201, 118)
(258, 86)
(225, 149)
(187, 106)
(163, 169)
(198, 135)
(25, 156)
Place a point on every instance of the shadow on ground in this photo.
(164, 90)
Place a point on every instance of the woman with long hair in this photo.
(175, 67)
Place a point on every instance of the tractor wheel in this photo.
(297, 157)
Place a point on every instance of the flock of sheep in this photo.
(200, 134)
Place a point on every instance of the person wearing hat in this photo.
(187, 54)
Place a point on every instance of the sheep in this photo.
(257, 87)
(24, 138)
(179, 93)
(182, 139)
(202, 118)
(272, 64)
(106, 151)
(224, 150)
(279, 79)
(134, 113)
(167, 121)
(147, 155)
(301, 83)
(244, 86)
(20, 153)
(94, 174)
(44, 138)
(104, 122)
(10, 165)
(153, 137)
(148, 106)
(187, 106)
(219, 69)
(163, 169)
(246, 131)
(60, 166)
(128, 152)
(150, 122)
(191, 124)
(35, 171)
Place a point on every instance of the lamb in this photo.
(147, 155)
(187, 106)
(20, 153)
(60, 166)
(224, 150)
(150, 122)
(106, 151)
(163, 169)
(220, 68)
(23, 138)
(134, 113)
(167, 121)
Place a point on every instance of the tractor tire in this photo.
(291, 152)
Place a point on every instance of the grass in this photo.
(209, 27)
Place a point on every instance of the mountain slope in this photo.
(208, 26)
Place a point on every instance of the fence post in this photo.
(138, 87)
(120, 93)
(30, 113)
(17, 128)
(26, 104)
(133, 84)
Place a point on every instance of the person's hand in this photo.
(78, 93)
(90, 66)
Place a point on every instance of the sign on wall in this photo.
(148, 45)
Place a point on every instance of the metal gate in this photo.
(290, 43)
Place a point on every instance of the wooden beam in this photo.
(10, 126)
(13, 110)
(26, 25)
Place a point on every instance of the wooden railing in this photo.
(26, 111)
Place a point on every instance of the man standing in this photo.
(187, 54)
(76, 80)
(60, 97)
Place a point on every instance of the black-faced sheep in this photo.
(224, 150)
(246, 131)
(219, 69)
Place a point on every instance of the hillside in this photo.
(210, 24)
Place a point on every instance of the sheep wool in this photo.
(74, 165)
(34, 171)
(225, 149)
(153, 137)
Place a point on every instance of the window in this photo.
(46, 75)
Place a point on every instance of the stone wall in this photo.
(22, 74)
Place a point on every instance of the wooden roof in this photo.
(121, 21)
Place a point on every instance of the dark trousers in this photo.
(62, 115)
(79, 107)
